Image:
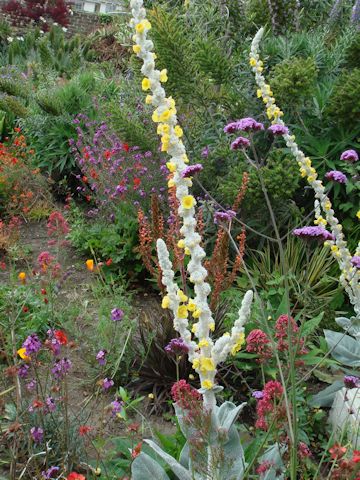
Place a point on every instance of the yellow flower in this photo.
(163, 76)
(182, 312)
(206, 364)
(207, 384)
(136, 49)
(171, 183)
(258, 93)
(155, 117)
(22, 354)
(185, 158)
(196, 363)
(187, 251)
(194, 328)
(182, 297)
(178, 131)
(188, 201)
(253, 62)
(191, 306)
(197, 313)
(181, 243)
(151, 396)
(165, 116)
(203, 343)
(171, 167)
(239, 343)
(212, 327)
(22, 277)
(90, 265)
(148, 99)
(358, 214)
(320, 221)
(165, 302)
(171, 102)
(144, 25)
(146, 84)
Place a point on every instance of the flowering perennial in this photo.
(324, 213)
(203, 352)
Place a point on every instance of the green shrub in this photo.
(293, 80)
(352, 52)
(344, 103)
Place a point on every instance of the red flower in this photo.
(37, 404)
(125, 147)
(109, 262)
(356, 456)
(107, 154)
(43, 291)
(137, 183)
(84, 179)
(136, 450)
(84, 430)
(61, 337)
(88, 198)
(25, 309)
(2, 266)
(75, 476)
(337, 451)
(17, 129)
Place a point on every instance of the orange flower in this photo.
(22, 354)
(61, 337)
(90, 265)
(75, 476)
(136, 450)
(22, 277)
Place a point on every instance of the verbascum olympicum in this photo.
(324, 213)
(204, 353)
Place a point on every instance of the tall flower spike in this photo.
(349, 277)
(164, 115)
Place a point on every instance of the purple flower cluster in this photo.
(23, 370)
(50, 473)
(117, 314)
(116, 406)
(50, 404)
(191, 170)
(349, 156)
(177, 346)
(107, 383)
(350, 381)
(32, 344)
(278, 129)
(224, 217)
(258, 394)
(61, 368)
(315, 233)
(31, 385)
(101, 357)
(355, 261)
(37, 434)
(245, 124)
(240, 142)
(336, 176)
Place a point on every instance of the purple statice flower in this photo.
(32, 344)
(355, 261)
(224, 217)
(117, 314)
(336, 176)
(116, 406)
(257, 394)
(50, 404)
(350, 381)
(31, 385)
(107, 383)
(101, 357)
(50, 473)
(37, 434)
(247, 124)
(205, 152)
(61, 368)
(315, 233)
(231, 127)
(240, 142)
(177, 346)
(23, 370)
(191, 170)
(349, 156)
(278, 129)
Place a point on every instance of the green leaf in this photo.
(145, 467)
(309, 326)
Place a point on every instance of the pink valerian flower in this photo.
(258, 342)
(37, 434)
(224, 217)
(57, 226)
(355, 261)
(314, 233)
(191, 170)
(264, 467)
(349, 156)
(240, 142)
(284, 326)
(177, 346)
(278, 129)
(269, 404)
(303, 450)
(185, 396)
(336, 176)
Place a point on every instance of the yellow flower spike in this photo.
(22, 354)
(163, 76)
(182, 297)
(136, 49)
(165, 116)
(178, 131)
(165, 302)
(203, 343)
(207, 364)
(182, 312)
(90, 265)
(181, 243)
(212, 327)
(146, 84)
(171, 183)
(239, 343)
(171, 167)
(253, 62)
(197, 313)
(207, 384)
(187, 251)
(187, 202)
(191, 306)
(194, 328)
(148, 99)
(155, 117)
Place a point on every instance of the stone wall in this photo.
(80, 22)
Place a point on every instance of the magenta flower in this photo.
(30, 386)
(23, 371)
(117, 314)
(101, 357)
(177, 346)
(50, 404)
(336, 176)
(349, 156)
(315, 233)
(278, 129)
(247, 124)
(240, 142)
(224, 217)
(355, 261)
(350, 381)
(116, 406)
(231, 127)
(205, 152)
(107, 383)
(191, 170)
(37, 434)
(61, 368)
(257, 394)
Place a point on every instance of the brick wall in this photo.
(80, 22)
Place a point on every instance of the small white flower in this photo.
(64, 29)
(10, 39)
